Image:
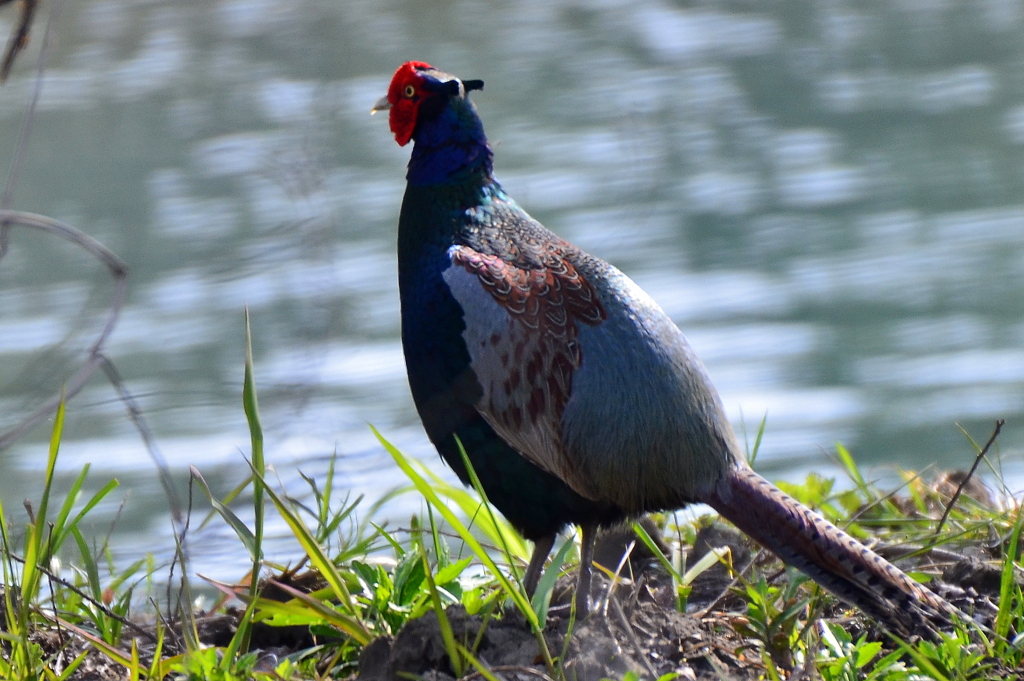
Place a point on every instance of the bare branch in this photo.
(95, 358)
(970, 474)
(19, 37)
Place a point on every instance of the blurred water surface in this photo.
(828, 197)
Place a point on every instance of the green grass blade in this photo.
(92, 572)
(1007, 582)
(496, 529)
(94, 500)
(328, 490)
(72, 667)
(239, 643)
(853, 471)
(720, 554)
(342, 515)
(154, 668)
(321, 561)
(289, 613)
(677, 578)
(350, 625)
(752, 455)
(653, 548)
(252, 415)
(228, 498)
(65, 508)
(542, 596)
(452, 571)
(477, 664)
(427, 491)
(9, 614)
(488, 509)
(399, 550)
(922, 661)
(241, 530)
(113, 652)
(447, 635)
(51, 462)
(38, 532)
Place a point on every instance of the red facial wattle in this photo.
(404, 95)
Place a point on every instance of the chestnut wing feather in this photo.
(521, 333)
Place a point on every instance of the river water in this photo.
(827, 197)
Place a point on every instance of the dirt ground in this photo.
(636, 628)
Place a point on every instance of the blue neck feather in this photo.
(450, 147)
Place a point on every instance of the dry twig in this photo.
(970, 474)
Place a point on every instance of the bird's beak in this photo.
(382, 105)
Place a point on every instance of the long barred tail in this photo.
(828, 555)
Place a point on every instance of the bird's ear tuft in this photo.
(471, 85)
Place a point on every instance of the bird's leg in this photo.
(541, 549)
(589, 538)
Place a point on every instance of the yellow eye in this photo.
(410, 91)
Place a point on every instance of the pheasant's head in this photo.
(420, 92)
